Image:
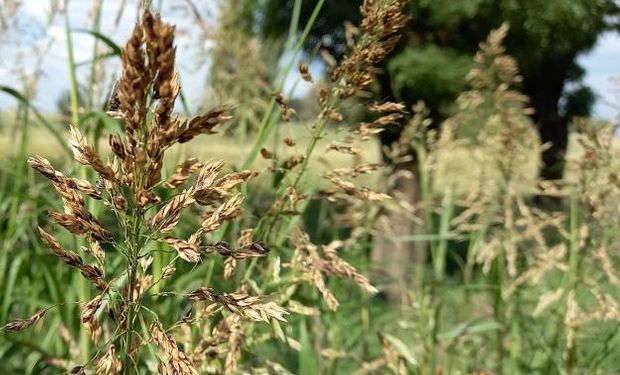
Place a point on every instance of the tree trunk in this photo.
(544, 88)
(396, 261)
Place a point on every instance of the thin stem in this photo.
(92, 81)
(573, 275)
(16, 195)
(131, 305)
(266, 123)
(499, 311)
(73, 85)
(318, 134)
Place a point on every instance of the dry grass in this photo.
(184, 267)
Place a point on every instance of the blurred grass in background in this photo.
(457, 317)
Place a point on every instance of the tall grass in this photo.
(114, 251)
(175, 274)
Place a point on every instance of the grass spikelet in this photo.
(178, 362)
(183, 172)
(241, 304)
(168, 217)
(109, 363)
(235, 340)
(21, 324)
(86, 155)
(187, 250)
(316, 263)
(305, 73)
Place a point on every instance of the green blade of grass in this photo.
(115, 48)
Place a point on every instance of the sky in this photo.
(602, 70)
(30, 32)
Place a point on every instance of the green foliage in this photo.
(577, 102)
(430, 72)
(242, 66)
(441, 31)
(445, 13)
(273, 19)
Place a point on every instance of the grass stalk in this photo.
(82, 285)
(92, 79)
(19, 176)
(499, 312)
(73, 85)
(572, 279)
(267, 122)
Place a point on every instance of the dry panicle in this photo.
(381, 23)
(178, 362)
(246, 306)
(130, 186)
(316, 263)
(109, 364)
(286, 112)
(21, 324)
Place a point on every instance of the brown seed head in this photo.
(44, 167)
(265, 153)
(289, 141)
(21, 324)
(178, 363)
(241, 304)
(183, 172)
(187, 250)
(305, 73)
(133, 84)
(203, 124)
(109, 364)
(117, 145)
(85, 154)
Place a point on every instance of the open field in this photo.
(457, 167)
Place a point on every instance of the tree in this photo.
(546, 38)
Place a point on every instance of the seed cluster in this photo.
(131, 186)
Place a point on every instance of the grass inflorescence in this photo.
(306, 254)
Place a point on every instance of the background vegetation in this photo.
(493, 249)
